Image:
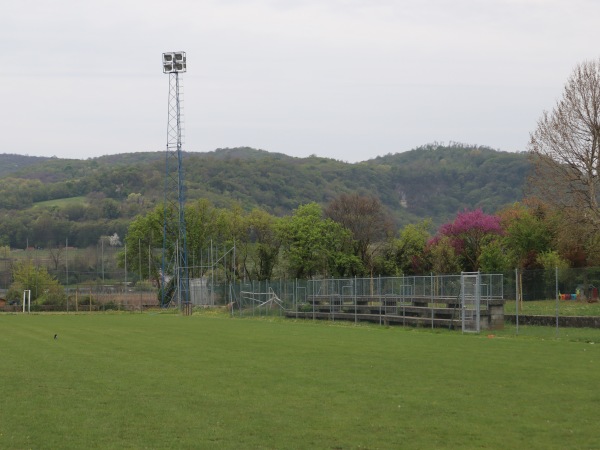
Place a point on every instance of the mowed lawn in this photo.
(167, 381)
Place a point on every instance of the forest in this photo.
(46, 201)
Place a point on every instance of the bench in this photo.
(413, 310)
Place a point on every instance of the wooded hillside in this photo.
(45, 200)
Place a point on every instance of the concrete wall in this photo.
(563, 321)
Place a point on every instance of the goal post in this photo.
(27, 300)
(261, 301)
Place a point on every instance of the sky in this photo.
(343, 79)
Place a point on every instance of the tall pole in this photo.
(175, 276)
(140, 258)
(67, 261)
(102, 256)
(67, 269)
(556, 296)
(140, 268)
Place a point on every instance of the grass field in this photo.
(548, 308)
(61, 202)
(208, 381)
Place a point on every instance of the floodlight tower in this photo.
(175, 277)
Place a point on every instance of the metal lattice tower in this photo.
(174, 277)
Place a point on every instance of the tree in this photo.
(551, 260)
(114, 240)
(406, 253)
(143, 235)
(468, 234)
(565, 148)
(44, 288)
(110, 208)
(48, 229)
(204, 224)
(314, 245)
(56, 255)
(367, 221)
(494, 258)
(441, 252)
(262, 231)
(529, 232)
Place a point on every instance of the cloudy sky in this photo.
(345, 79)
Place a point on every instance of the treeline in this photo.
(44, 201)
(354, 236)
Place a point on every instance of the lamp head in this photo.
(174, 62)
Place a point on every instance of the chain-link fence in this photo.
(48, 290)
(552, 303)
(536, 302)
(432, 301)
(80, 298)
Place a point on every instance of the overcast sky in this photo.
(344, 79)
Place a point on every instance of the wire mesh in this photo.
(537, 302)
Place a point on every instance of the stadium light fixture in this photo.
(174, 62)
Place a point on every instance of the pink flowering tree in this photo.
(469, 233)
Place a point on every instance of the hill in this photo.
(433, 181)
(437, 181)
(11, 163)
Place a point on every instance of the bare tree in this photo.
(565, 148)
(367, 220)
(56, 255)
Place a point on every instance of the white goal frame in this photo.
(27, 299)
(260, 299)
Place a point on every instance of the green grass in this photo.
(209, 381)
(43, 255)
(60, 202)
(548, 308)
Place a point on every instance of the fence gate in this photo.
(470, 301)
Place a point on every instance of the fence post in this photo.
(556, 296)
(331, 290)
(431, 294)
(380, 301)
(355, 303)
(314, 300)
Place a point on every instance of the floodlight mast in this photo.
(174, 276)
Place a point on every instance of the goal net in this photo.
(261, 302)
